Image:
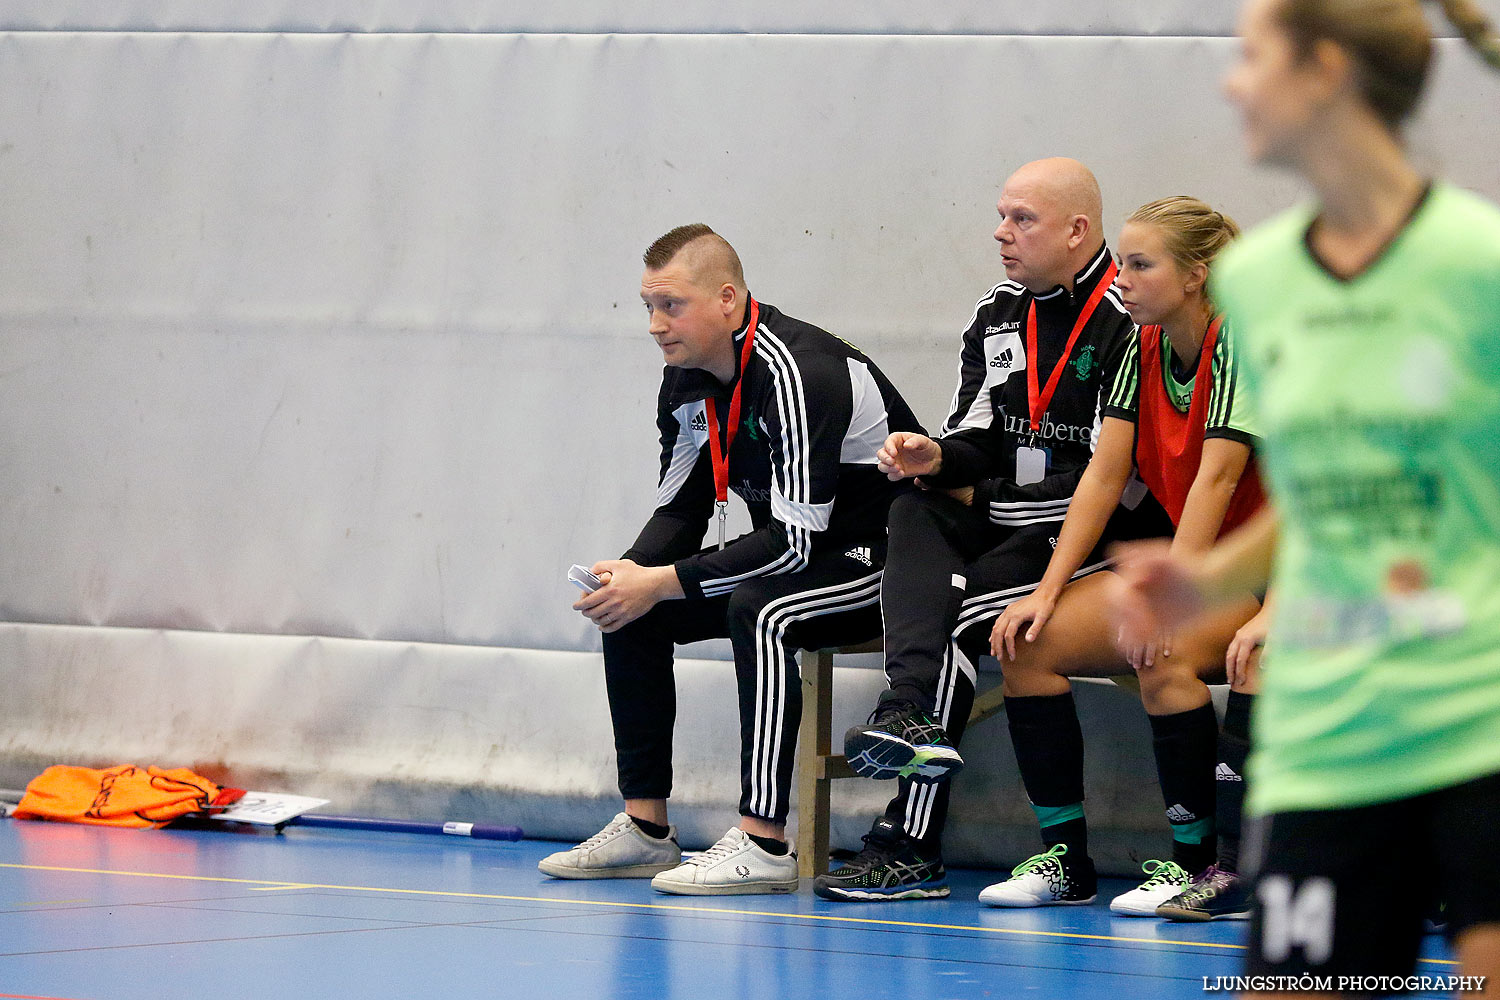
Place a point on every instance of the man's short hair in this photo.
(712, 253)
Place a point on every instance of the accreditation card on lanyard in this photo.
(721, 457)
(1031, 461)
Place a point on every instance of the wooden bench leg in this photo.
(818, 766)
(987, 704)
(815, 743)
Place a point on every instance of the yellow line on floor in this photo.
(265, 884)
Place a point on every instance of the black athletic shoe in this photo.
(888, 868)
(901, 742)
(1213, 895)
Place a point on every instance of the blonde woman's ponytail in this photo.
(1475, 26)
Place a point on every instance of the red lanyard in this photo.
(721, 458)
(1040, 401)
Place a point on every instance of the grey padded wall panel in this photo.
(1073, 17)
(340, 334)
(961, 17)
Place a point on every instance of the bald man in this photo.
(790, 418)
(1038, 353)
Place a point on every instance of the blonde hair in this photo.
(1389, 41)
(1192, 232)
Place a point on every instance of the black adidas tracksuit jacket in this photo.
(813, 412)
(953, 569)
(990, 414)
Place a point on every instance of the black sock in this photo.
(654, 830)
(772, 846)
(1049, 748)
(1194, 857)
(1184, 744)
(1074, 833)
(1237, 714)
(1229, 789)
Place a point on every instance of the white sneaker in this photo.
(735, 866)
(620, 850)
(1045, 880)
(1167, 879)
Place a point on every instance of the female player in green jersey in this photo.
(1369, 331)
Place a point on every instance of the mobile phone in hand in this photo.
(585, 581)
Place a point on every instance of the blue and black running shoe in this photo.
(888, 868)
(901, 741)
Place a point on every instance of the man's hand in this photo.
(906, 455)
(630, 590)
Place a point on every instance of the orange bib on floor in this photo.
(117, 796)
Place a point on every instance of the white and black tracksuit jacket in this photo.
(990, 414)
(954, 569)
(814, 410)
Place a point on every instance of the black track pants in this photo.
(834, 601)
(950, 572)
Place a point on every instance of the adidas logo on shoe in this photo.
(1180, 814)
(860, 554)
(1225, 773)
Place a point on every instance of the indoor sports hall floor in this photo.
(103, 914)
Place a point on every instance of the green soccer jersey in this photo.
(1378, 399)
(1226, 415)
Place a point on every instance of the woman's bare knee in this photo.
(1171, 685)
(1031, 676)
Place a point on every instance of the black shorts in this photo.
(1344, 892)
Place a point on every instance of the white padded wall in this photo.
(339, 334)
(1164, 17)
(886, 17)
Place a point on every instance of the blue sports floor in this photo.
(100, 914)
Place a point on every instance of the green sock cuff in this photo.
(1195, 832)
(1052, 815)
